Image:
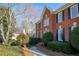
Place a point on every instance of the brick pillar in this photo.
(66, 34)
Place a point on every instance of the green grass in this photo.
(10, 51)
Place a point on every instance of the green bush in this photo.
(59, 46)
(75, 38)
(23, 39)
(34, 41)
(13, 42)
(66, 48)
(54, 45)
(48, 36)
(16, 43)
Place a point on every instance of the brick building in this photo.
(61, 22)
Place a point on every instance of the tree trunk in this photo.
(3, 36)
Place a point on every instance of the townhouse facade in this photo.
(60, 22)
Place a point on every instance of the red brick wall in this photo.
(53, 26)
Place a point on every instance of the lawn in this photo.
(10, 51)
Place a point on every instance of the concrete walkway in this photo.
(44, 49)
(36, 52)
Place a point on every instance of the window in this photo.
(46, 22)
(74, 11)
(71, 29)
(74, 25)
(60, 34)
(46, 30)
(38, 34)
(60, 16)
(38, 25)
(41, 34)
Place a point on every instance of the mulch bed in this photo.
(48, 52)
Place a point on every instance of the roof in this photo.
(63, 7)
(60, 9)
(46, 7)
(39, 21)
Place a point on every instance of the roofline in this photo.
(39, 21)
(58, 10)
(42, 14)
(63, 7)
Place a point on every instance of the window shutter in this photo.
(69, 33)
(78, 8)
(69, 13)
(63, 35)
(56, 18)
(63, 15)
(57, 34)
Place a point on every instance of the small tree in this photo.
(23, 39)
(48, 36)
(75, 38)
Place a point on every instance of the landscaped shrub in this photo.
(75, 38)
(13, 42)
(59, 46)
(48, 36)
(66, 48)
(54, 45)
(23, 39)
(34, 41)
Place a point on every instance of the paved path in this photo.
(36, 52)
(27, 52)
(44, 49)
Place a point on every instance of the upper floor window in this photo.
(46, 22)
(38, 26)
(74, 11)
(60, 16)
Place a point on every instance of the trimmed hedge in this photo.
(59, 46)
(48, 36)
(66, 48)
(54, 45)
(75, 38)
(34, 41)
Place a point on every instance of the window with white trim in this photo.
(60, 34)
(74, 11)
(46, 30)
(60, 17)
(46, 22)
(41, 34)
(74, 25)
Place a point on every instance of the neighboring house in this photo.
(61, 22)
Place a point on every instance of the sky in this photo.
(39, 6)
